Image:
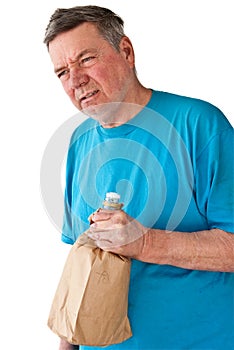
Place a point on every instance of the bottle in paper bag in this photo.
(91, 301)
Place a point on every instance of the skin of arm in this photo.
(64, 345)
(209, 250)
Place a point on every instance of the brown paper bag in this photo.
(91, 300)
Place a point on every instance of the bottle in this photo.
(111, 201)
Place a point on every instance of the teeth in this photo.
(91, 94)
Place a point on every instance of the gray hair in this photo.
(108, 23)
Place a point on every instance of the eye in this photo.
(88, 61)
(62, 73)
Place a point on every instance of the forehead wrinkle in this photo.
(77, 57)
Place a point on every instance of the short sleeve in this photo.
(215, 181)
(73, 221)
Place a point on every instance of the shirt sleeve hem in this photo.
(226, 228)
(66, 239)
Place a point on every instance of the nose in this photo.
(77, 78)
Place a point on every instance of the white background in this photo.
(182, 46)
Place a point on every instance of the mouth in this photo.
(88, 96)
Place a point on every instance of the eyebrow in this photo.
(79, 56)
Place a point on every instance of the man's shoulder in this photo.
(183, 100)
(190, 108)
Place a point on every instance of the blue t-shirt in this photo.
(172, 164)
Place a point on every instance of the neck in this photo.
(125, 111)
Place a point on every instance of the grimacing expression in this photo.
(91, 70)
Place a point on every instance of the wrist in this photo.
(146, 241)
(64, 345)
(154, 248)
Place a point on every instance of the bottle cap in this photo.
(112, 201)
(112, 197)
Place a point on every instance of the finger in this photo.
(104, 214)
(107, 246)
(104, 235)
(101, 216)
(107, 238)
(105, 225)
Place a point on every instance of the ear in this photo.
(126, 50)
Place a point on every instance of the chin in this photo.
(101, 112)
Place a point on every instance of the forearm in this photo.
(211, 250)
(64, 345)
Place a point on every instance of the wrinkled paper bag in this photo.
(91, 301)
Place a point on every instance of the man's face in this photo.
(92, 72)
